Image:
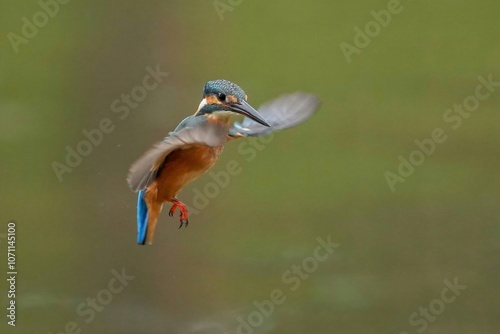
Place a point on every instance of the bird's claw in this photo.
(184, 222)
(183, 209)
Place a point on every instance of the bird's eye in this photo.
(221, 97)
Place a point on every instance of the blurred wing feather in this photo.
(191, 131)
(282, 113)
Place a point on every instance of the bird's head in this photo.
(222, 98)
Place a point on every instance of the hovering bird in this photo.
(194, 146)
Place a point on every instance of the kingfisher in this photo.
(197, 142)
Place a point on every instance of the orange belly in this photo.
(181, 167)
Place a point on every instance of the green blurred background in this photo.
(324, 178)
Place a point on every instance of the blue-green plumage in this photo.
(225, 87)
(142, 218)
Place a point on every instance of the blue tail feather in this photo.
(142, 218)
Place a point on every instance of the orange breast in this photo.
(181, 167)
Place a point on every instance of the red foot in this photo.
(182, 208)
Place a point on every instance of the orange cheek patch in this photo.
(211, 99)
(231, 99)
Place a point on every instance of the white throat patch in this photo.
(202, 104)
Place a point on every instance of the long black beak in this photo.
(247, 110)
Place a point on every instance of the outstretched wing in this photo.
(192, 130)
(282, 113)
